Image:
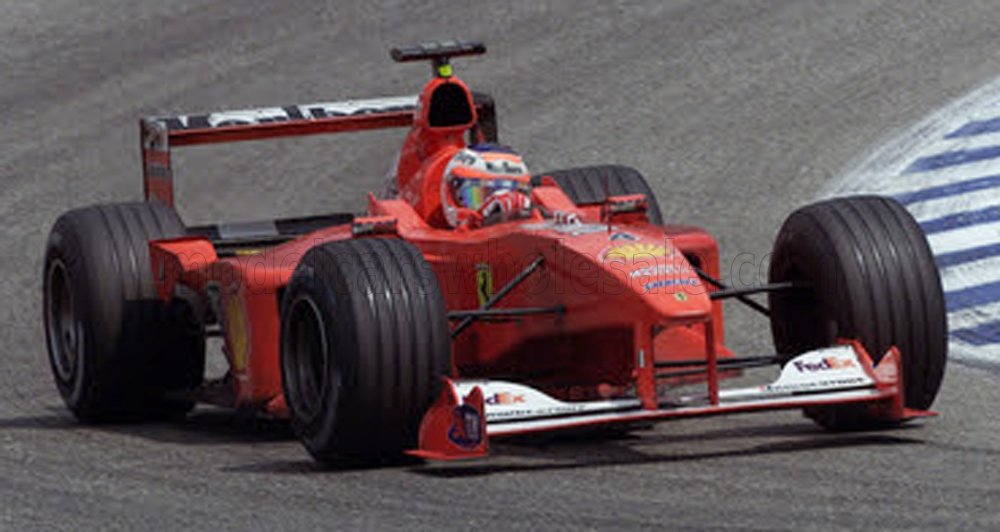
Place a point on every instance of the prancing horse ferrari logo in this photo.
(484, 283)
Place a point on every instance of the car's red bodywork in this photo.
(607, 309)
(620, 293)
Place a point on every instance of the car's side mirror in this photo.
(625, 208)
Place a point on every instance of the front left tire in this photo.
(364, 344)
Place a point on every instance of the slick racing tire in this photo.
(116, 350)
(872, 278)
(364, 344)
(586, 185)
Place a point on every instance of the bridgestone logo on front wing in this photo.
(816, 385)
(508, 401)
(536, 412)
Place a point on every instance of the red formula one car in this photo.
(471, 300)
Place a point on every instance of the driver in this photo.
(485, 184)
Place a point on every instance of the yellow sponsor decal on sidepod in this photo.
(237, 333)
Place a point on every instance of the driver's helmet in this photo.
(478, 173)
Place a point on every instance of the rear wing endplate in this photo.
(158, 135)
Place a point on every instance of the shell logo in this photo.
(628, 252)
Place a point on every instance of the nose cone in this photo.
(619, 274)
(658, 274)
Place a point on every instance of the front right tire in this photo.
(871, 277)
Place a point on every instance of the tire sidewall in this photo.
(809, 319)
(76, 252)
(309, 287)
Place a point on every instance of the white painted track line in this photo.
(965, 238)
(971, 274)
(928, 210)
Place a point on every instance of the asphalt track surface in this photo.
(737, 112)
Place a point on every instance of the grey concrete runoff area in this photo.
(737, 111)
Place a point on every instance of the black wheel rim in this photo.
(63, 329)
(307, 347)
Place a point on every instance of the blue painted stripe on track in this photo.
(951, 189)
(980, 335)
(952, 158)
(961, 219)
(979, 127)
(973, 296)
(968, 255)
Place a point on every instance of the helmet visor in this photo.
(472, 192)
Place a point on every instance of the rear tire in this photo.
(873, 279)
(364, 344)
(116, 350)
(586, 186)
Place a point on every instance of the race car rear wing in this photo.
(160, 134)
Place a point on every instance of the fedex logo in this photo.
(828, 363)
(504, 398)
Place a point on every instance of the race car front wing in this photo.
(468, 413)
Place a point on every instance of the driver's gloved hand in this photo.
(504, 206)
